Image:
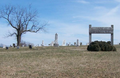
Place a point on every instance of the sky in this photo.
(69, 18)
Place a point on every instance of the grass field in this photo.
(62, 62)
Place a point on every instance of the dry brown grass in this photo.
(62, 62)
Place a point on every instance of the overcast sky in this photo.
(69, 18)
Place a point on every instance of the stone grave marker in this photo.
(69, 44)
(18, 47)
(42, 43)
(4, 46)
(56, 41)
(80, 43)
(7, 48)
(30, 46)
(52, 44)
(23, 45)
(63, 43)
(13, 45)
(77, 42)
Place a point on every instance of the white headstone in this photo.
(51, 44)
(69, 44)
(22, 45)
(4, 46)
(63, 43)
(42, 43)
(87, 43)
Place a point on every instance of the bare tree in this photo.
(22, 20)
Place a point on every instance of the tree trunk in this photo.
(18, 40)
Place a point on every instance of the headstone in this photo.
(63, 43)
(87, 43)
(7, 48)
(22, 45)
(52, 44)
(10, 46)
(56, 41)
(77, 42)
(30, 46)
(80, 43)
(13, 45)
(119, 43)
(17, 47)
(66, 44)
(74, 43)
(42, 43)
(4, 46)
(69, 44)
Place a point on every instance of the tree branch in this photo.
(11, 34)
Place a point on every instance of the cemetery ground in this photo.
(62, 62)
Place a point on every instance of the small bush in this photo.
(94, 47)
(101, 46)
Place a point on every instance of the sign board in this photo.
(100, 30)
(103, 30)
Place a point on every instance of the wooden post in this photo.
(90, 34)
(112, 35)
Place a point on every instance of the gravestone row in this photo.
(92, 30)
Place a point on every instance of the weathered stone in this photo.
(23, 45)
(4, 46)
(42, 43)
(30, 46)
(80, 43)
(7, 48)
(18, 47)
(13, 45)
(63, 43)
(69, 44)
(56, 41)
(77, 42)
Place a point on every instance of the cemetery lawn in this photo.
(62, 62)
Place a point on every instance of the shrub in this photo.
(93, 47)
(100, 46)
